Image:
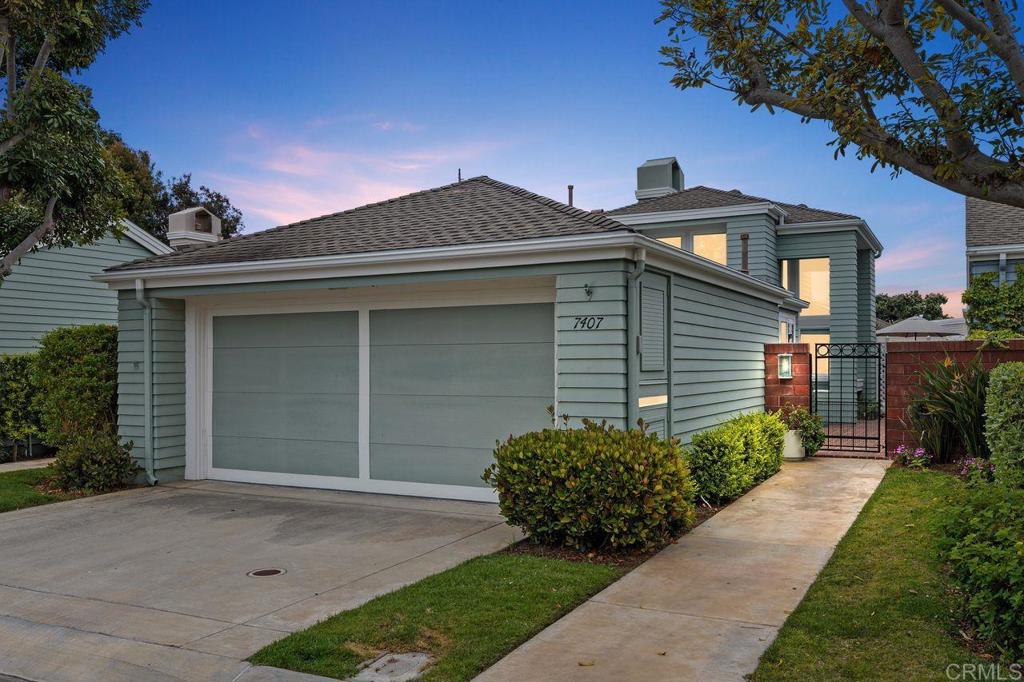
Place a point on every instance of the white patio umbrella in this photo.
(916, 326)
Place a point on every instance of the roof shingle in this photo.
(709, 197)
(992, 224)
(477, 210)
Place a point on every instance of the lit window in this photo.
(711, 246)
(814, 285)
(820, 364)
(673, 241)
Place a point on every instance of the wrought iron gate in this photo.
(849, 393)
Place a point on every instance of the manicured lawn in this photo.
(18, 489)
(467, 617)
(882, 608)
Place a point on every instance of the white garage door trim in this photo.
(199, 371)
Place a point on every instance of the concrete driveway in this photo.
(153, 584)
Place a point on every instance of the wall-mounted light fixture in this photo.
(587, 289)
(785, 365)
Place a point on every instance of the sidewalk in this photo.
(26, 464)
(707, 607)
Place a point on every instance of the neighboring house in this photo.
(53, 287)
(995, 239)
(386, 348)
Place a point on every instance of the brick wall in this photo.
(904, 360)
(795, 391)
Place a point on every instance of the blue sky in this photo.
(296, 109)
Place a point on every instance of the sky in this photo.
(297, 109)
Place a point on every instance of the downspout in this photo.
(147, 369)
(633, 339)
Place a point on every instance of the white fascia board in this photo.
(144, 239)
(995, 250)
(717, 213)
(493, 254)
(604, 246)
(836, 226)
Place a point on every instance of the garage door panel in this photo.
(286, 415)
(287, 329)
(287, 370)
(419, 464)
(530, 322)
(452, 421)
(317, 458)
(461, 369)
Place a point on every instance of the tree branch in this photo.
(1002, 44)
(893, 33)
(30, 241)
(12, 142)
(41, 58)
(12, 78)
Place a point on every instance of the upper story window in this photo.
(980, 266)
(808, 278)
(707, 245)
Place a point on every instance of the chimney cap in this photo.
(193, 225)
(658, 178)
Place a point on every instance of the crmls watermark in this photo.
(987, 672)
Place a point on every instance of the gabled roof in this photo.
(144, 239)
(992, 224)
(708, 197)
(477, 210)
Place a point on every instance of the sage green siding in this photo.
(718, 339)
(168, 382)
(447, 383)
(762, 260)
(592, 362)
(866, 293)
(841, 250)
(52, 288)
(286, 393)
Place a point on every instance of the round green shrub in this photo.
(19, 421)
(733, 457)
(593, 487)
(75, 376)
(1004, 425)
(983, 541)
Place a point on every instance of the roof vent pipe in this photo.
(570, 196)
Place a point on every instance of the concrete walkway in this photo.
(27, 464)
(707, 607)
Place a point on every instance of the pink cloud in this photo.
(955, 306)
(911, 256)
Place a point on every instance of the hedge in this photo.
(983, 537)
(19, 421)
(593, 487)
(75, 376)
(732, 458)
(1004, 426)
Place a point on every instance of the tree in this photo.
(57, 183)
(933, 88)
(149, 199)
(896, 307)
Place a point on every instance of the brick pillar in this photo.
(795, 391)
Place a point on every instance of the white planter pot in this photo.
(793, 449)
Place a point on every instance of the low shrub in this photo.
(983, 537)
(1004, 429)
(19, 421)
(732, 458)
(75, 376)
(593, 487)
(811, 426)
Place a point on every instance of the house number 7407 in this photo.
(588, 322)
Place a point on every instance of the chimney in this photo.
(658, 178)
(192, 227)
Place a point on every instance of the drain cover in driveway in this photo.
(265, 572)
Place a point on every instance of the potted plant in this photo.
(806, 432)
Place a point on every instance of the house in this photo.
(52, 287)
(995, 239)
(386, 348)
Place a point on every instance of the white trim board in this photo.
(145, 239)
(199, 314)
